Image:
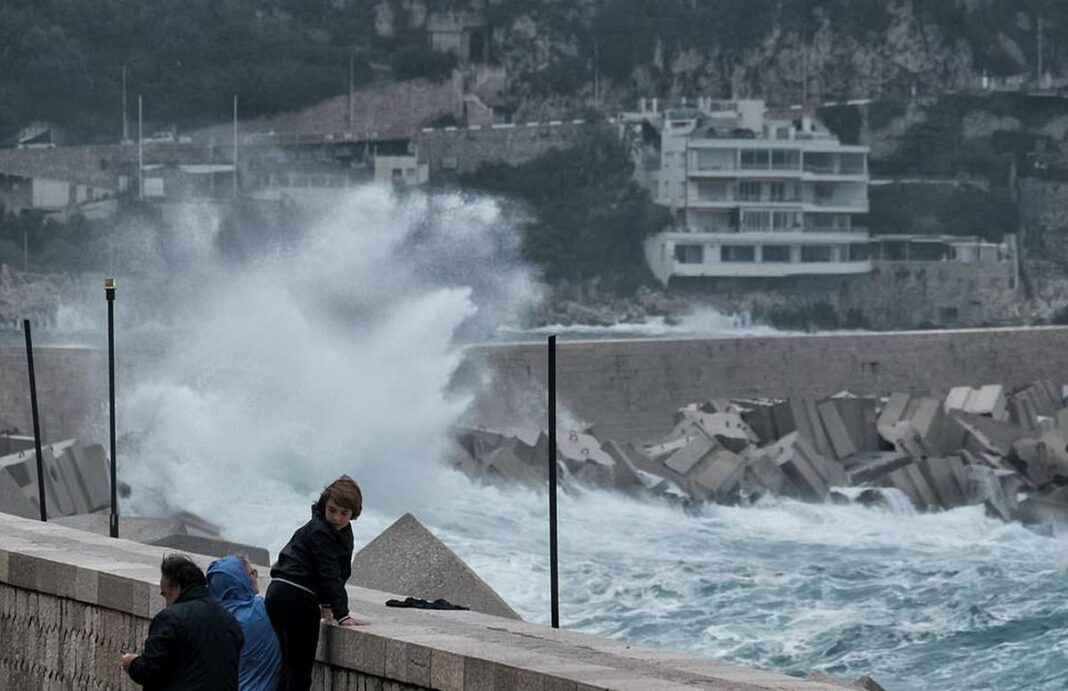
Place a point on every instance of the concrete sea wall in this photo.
(628, 387)
(70, 601)
(631, 388)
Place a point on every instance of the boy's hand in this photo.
(326, 613)
(353, 623)
(125, 659)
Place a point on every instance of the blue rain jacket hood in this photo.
(261, 658)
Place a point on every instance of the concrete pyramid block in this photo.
(13, 500)
(408, 560)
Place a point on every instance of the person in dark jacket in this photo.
(308, 581)
(232, 582)
(193, 644)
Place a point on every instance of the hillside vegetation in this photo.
(63, 59)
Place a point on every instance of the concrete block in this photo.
(408, 559)
(871, 466)
(797, 468)
(506, 462)
(407, 662)
(1022, 412)
(727, 429)
(902, 480)
(943, 482)
(117, 593)
(683, 460)
(94, 469)
(1034, 459)
(758, 414)
(720, 474)
(893, 410)
(831, 471)
(478, 441)
(479, 675)
(22, 571)
(767, 476)
(446, 671)
(840, 441)
(923, 490)
(13, 500)
(626, 475)
(996, 489)
(578, 447)
(859, 417)
(991, 401)
(926, 415)
(1049, 507)
(526, 680)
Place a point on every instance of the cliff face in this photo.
(561, 54)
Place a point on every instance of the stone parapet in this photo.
(69, 601)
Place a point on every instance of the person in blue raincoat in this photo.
(232, 581)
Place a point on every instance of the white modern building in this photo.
(753, 194)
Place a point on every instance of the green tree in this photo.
(586, 217)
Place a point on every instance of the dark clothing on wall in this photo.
(294, 614)
(319, 557)
(193, 645)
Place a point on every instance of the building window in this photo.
(737, 253)
(811, 254)
(778, 191)
(785, 159)
(715, 159)
(819, 162)
(775, 254)
(755, 221)
(755, 159)
(690, 254)
(748, 191)
(783, 221)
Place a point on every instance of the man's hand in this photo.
(353, 623)
(125, 659)
(325, 613)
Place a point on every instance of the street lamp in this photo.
(109, 293)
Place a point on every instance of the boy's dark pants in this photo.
(294, 614)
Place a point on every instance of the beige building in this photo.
(753, 194)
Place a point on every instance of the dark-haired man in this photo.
(193, 644)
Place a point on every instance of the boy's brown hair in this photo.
(345, 493)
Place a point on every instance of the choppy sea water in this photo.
(945, 601)
(942, 601)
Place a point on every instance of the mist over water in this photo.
(330, 353)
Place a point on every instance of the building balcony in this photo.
(793, 236)
(765, 269)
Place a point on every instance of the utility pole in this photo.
(140, 149)
(235, 146)
(125, 124)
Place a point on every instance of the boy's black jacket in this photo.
(319, 557)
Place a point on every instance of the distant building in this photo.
(754, 194)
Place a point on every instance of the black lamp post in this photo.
(109, 293)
